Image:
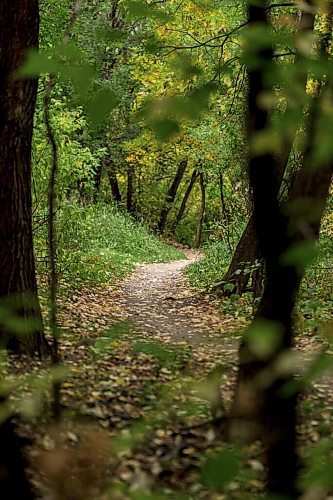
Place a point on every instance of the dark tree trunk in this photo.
(201, 211)
(115, 191)
(260, 409)
(246, 252)
(256, 285)
(13, 479)
(247, 249)
(130, 190)
(171, 195)
(185, 199)
(97, 183)
(116, 22)
(224, 212)
(19, 21)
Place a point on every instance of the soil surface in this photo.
(160, 303)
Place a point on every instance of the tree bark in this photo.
(13, 480)
(171, 195)
(246, 252)
(116, 195)
(115, 191)
(247, 249)
(97, 182)
(201, 211)
(259, 407)
(130, 190)
(18, 289)
(185, 199)
(224, 212)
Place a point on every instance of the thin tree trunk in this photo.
(185, 199)
(97, 182)
(171, 195)
(116, 22)
(260, 408)
(115, 191)
(52, 235)
(114, 186)
(254, 401)
(247, 249)
(130, 190)
(224, 210)
(201, 211)
(19, 24)
(52, 246)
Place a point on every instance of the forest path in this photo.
(120, 384)
(160, 304)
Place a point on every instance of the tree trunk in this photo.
(130, 189)
(171, 195)
(115, 191)
(246, 252)
(260, 408)
(185, 199)
(97, 182)
(224, 212)
(201, 211)
(13, 479)
(247, 249)
(18, 289)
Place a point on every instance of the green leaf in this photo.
(152, 45)
(220, 470)
(139, 9)
(103, 102)
(164, 128)
(37, 63)
(186, 67)
(68, 51)
(153, 349)
(80, 76)
(264, 337)
(111, 35)
(299, 255)
(321, 364)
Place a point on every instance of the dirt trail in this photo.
(158, 301)
(160, 304)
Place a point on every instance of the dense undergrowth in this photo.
(207, 271)
(98, 244)
(315, 303)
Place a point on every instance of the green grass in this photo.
(204, 273)
(316, 294)
(315, 302)
(99, 244)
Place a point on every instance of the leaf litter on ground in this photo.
(134, 419)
